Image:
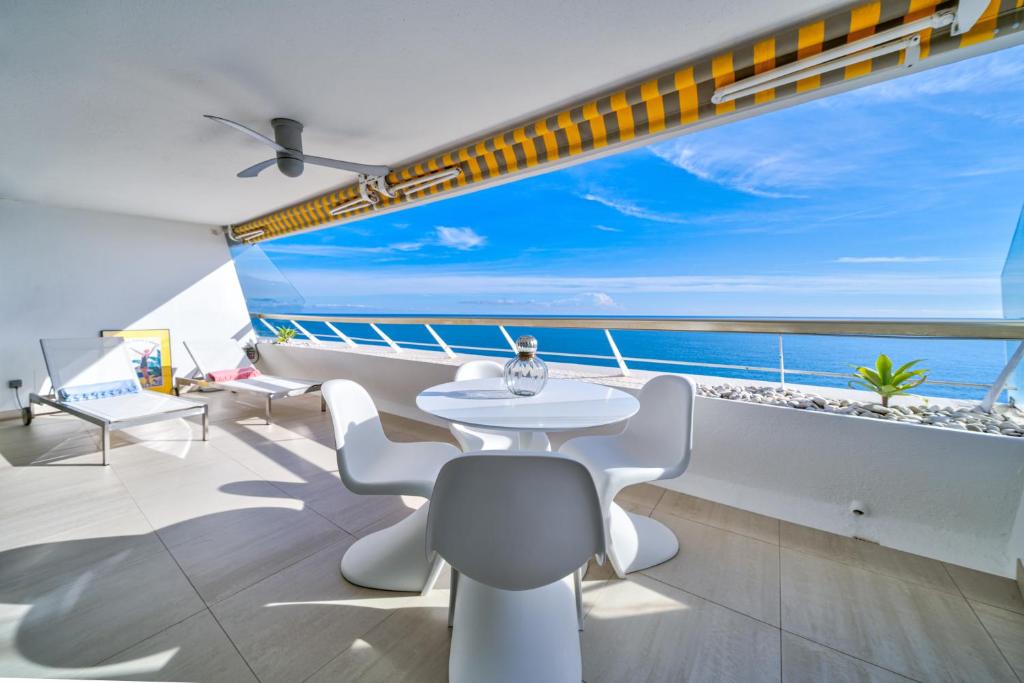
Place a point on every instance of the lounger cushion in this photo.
(144, 403)
(234, 373)
(91, 392)
(269, 384)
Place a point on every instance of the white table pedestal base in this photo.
(392, 559)
(515, 636)
(638, 542)
(530, 441)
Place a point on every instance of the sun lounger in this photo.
(94, 379)
(223, 364)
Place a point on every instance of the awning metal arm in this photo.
(967, 14)
(245, 236)
(427, 181)
(414, 185)
(367, 197)
(371, 188)
(903, 37)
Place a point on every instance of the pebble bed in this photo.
(971, 419)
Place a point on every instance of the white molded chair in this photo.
(515, 529)
(655, 444)
(371, 464)
(480, 439)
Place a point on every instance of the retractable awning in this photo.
(862, 45)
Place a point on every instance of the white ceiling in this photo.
(101, 102)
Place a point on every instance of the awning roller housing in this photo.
(870, 38)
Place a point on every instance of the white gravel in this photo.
(944, 417)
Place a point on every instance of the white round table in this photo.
(563, 405)
(500, 634)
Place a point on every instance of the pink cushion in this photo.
(236, 373)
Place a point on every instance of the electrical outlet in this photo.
(14, 384)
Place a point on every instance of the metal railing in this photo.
(980, 329)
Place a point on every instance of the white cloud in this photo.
(602, 300)
(338, 304)
(334, 250)
(824, 147)
(504, 301)
(994, 73)
(888, 259)
(586, 299)
(992, 167)
(763, 168)
(503, 290)
(627, 208)
(964, 89)
(463, 239)
(406, 246)
(607, 228)
(498, 285)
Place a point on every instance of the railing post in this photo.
(394, 347)
(508, 338)
(341, 335)
(440, 342)
(273, 330)
(615, 352)
(997, 387)
(782, 364)
(304, 331)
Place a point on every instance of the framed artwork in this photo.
(150, 351)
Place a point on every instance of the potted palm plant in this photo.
(284, 335)
(885, 381)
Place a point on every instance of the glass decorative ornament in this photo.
(526, 374)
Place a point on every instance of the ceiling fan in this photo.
(290, 159)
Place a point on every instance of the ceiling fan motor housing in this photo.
(288, 134)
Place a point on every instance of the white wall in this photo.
(72, 273)
(947, 494)
(950, 495)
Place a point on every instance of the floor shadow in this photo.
(79, 603)
(123, 606)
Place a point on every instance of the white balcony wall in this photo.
(71, 273)
(949, 495)
(946, 494)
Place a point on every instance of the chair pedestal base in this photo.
(392, 559)
(638, 542)
(504, 636)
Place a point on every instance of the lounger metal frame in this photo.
(186, 384)
(108, 426)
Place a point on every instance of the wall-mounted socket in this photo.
(14, 384)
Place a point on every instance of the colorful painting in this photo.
(150, 351)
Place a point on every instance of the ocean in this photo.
(961, 361)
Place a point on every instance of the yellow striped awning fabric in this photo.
(669, 102)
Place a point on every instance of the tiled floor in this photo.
(218, 561)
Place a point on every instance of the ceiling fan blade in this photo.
(248, 131)
(365, 169)
(255, 169)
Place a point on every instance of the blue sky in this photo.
(899, 199)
